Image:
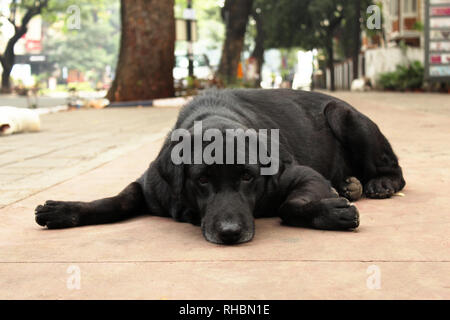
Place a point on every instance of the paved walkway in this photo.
(401, 249)
(72, 143)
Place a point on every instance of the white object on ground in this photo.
(358, 85)
(171, 102)
(13, 120)
(361, 84)
(40, 111)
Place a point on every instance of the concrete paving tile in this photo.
(6, 178)
(43, 162)
(225, 280)
(10, 196)
(23, 171)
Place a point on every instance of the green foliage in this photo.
(312, 23)
(91, 48)
(405, 77)
(57, 10)
(286, 22)
(418, 26)
(210, 27)
(388, 80)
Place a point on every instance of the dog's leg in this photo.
(61, 214)
(312, 202)
(372, 158)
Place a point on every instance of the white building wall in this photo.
(386, 59)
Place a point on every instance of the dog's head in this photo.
(220, 189)
(225, 197)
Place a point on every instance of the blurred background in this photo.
(76, 53)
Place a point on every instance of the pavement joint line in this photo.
(54, 185)
(222, 261)
(80, 174)
(46, 153)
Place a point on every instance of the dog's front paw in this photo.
(336, 214)
(58, 214)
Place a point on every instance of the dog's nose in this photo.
(229, 232)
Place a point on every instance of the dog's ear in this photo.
(172, 174)
(172, 178)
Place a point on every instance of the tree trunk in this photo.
(146, 58)
(357, 40)
(6, 83)
(330, 51)
(8, 59)
(7, 67)
(235, 14)
(258, 51)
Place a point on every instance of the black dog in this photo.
(324, 145)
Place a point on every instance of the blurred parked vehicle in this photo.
(202, 68)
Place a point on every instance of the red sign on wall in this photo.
(33, 46)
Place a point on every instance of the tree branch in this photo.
(33, 11)
(10, 20)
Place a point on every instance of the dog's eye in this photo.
(246, 176)
(203, 180)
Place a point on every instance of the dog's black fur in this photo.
(325, 145)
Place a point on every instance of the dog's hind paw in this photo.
(351, 189)
(380, 188)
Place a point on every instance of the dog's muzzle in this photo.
(224, 232)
